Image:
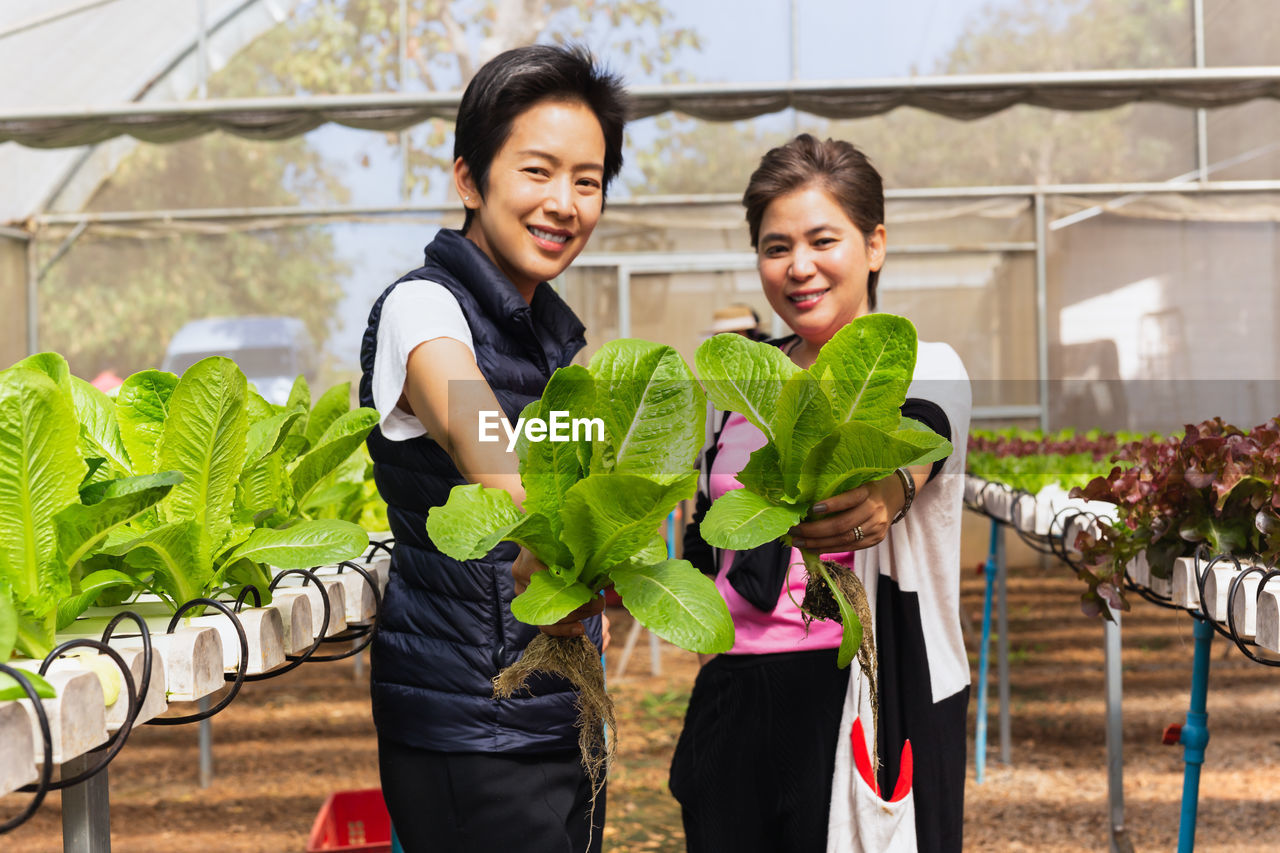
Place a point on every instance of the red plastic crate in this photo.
(352, 821)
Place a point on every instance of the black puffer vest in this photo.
(446, 627)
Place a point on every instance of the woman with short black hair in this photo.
(477, 330)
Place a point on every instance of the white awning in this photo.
(960, 97)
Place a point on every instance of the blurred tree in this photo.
(1029, 145)
(351, 46)
(114, 300)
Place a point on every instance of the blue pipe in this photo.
(671, 535)
(984, 656)
(1195, 735)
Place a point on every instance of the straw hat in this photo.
(735, 318)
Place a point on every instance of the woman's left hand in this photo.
(867, 510)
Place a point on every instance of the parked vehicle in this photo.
(271, 351)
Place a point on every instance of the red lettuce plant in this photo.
(1215, 485)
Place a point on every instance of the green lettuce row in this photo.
(181, 486)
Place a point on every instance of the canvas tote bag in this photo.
(861, 821)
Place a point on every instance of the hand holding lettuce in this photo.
(829, 429)
(592, 511)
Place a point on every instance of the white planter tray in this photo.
(1269, 617)
(1140, 571)
(1186, 590)
(154, 704)
(300, 627)
(77, 716)
(263, 627)
(380, 568)
(1245, 605)
(293, 585)
(18, 750)
(1217, 583)
(192, 655)
(357, 594)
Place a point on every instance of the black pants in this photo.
(442, 802)
(752, 770)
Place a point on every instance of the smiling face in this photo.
(814, 263)
(544, 195)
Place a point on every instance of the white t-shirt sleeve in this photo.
(415, 312)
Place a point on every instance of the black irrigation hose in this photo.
(116, 742)
(244, 594)
(147, 656)
(1200, 577)
(42, 786)
(295, 661)
(236, 681)
(376, 545)
(365, 632)
(1236, 582)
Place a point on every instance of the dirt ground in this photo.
(284, 744)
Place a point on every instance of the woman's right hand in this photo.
(570, 626)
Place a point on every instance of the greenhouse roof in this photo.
(94, 53)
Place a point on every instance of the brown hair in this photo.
(836, 166)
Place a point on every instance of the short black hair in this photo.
(517, 79)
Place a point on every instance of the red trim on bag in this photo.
(906, 770)
(862, 762)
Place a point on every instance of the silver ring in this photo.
(858, 534)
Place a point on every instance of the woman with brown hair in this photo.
(753, 769)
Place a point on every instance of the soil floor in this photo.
(284, 744)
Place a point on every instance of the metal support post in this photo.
(202, 51)
(403, 44)
(984, 658)
(1115, 734)
(624, 302)
(86, 809)
(1042, 307)
(1195, 735)
(33, 297)
(1002, 643)
(206, 746)
(1202, 115)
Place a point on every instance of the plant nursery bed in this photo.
(285, 744)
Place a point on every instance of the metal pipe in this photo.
(1202, 115)
(205, 738)
(1115, 732)
(202, 51)
(1152, 82)
(63, 248)
(41, 20)
(86, 808)
(984, 659)
(794, 65)
(33, 298)
(1005, 413)
(403, 40)
(1002, 642)
(1195, 734)
(1042, 308)
(942, 194)
(624, 302)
